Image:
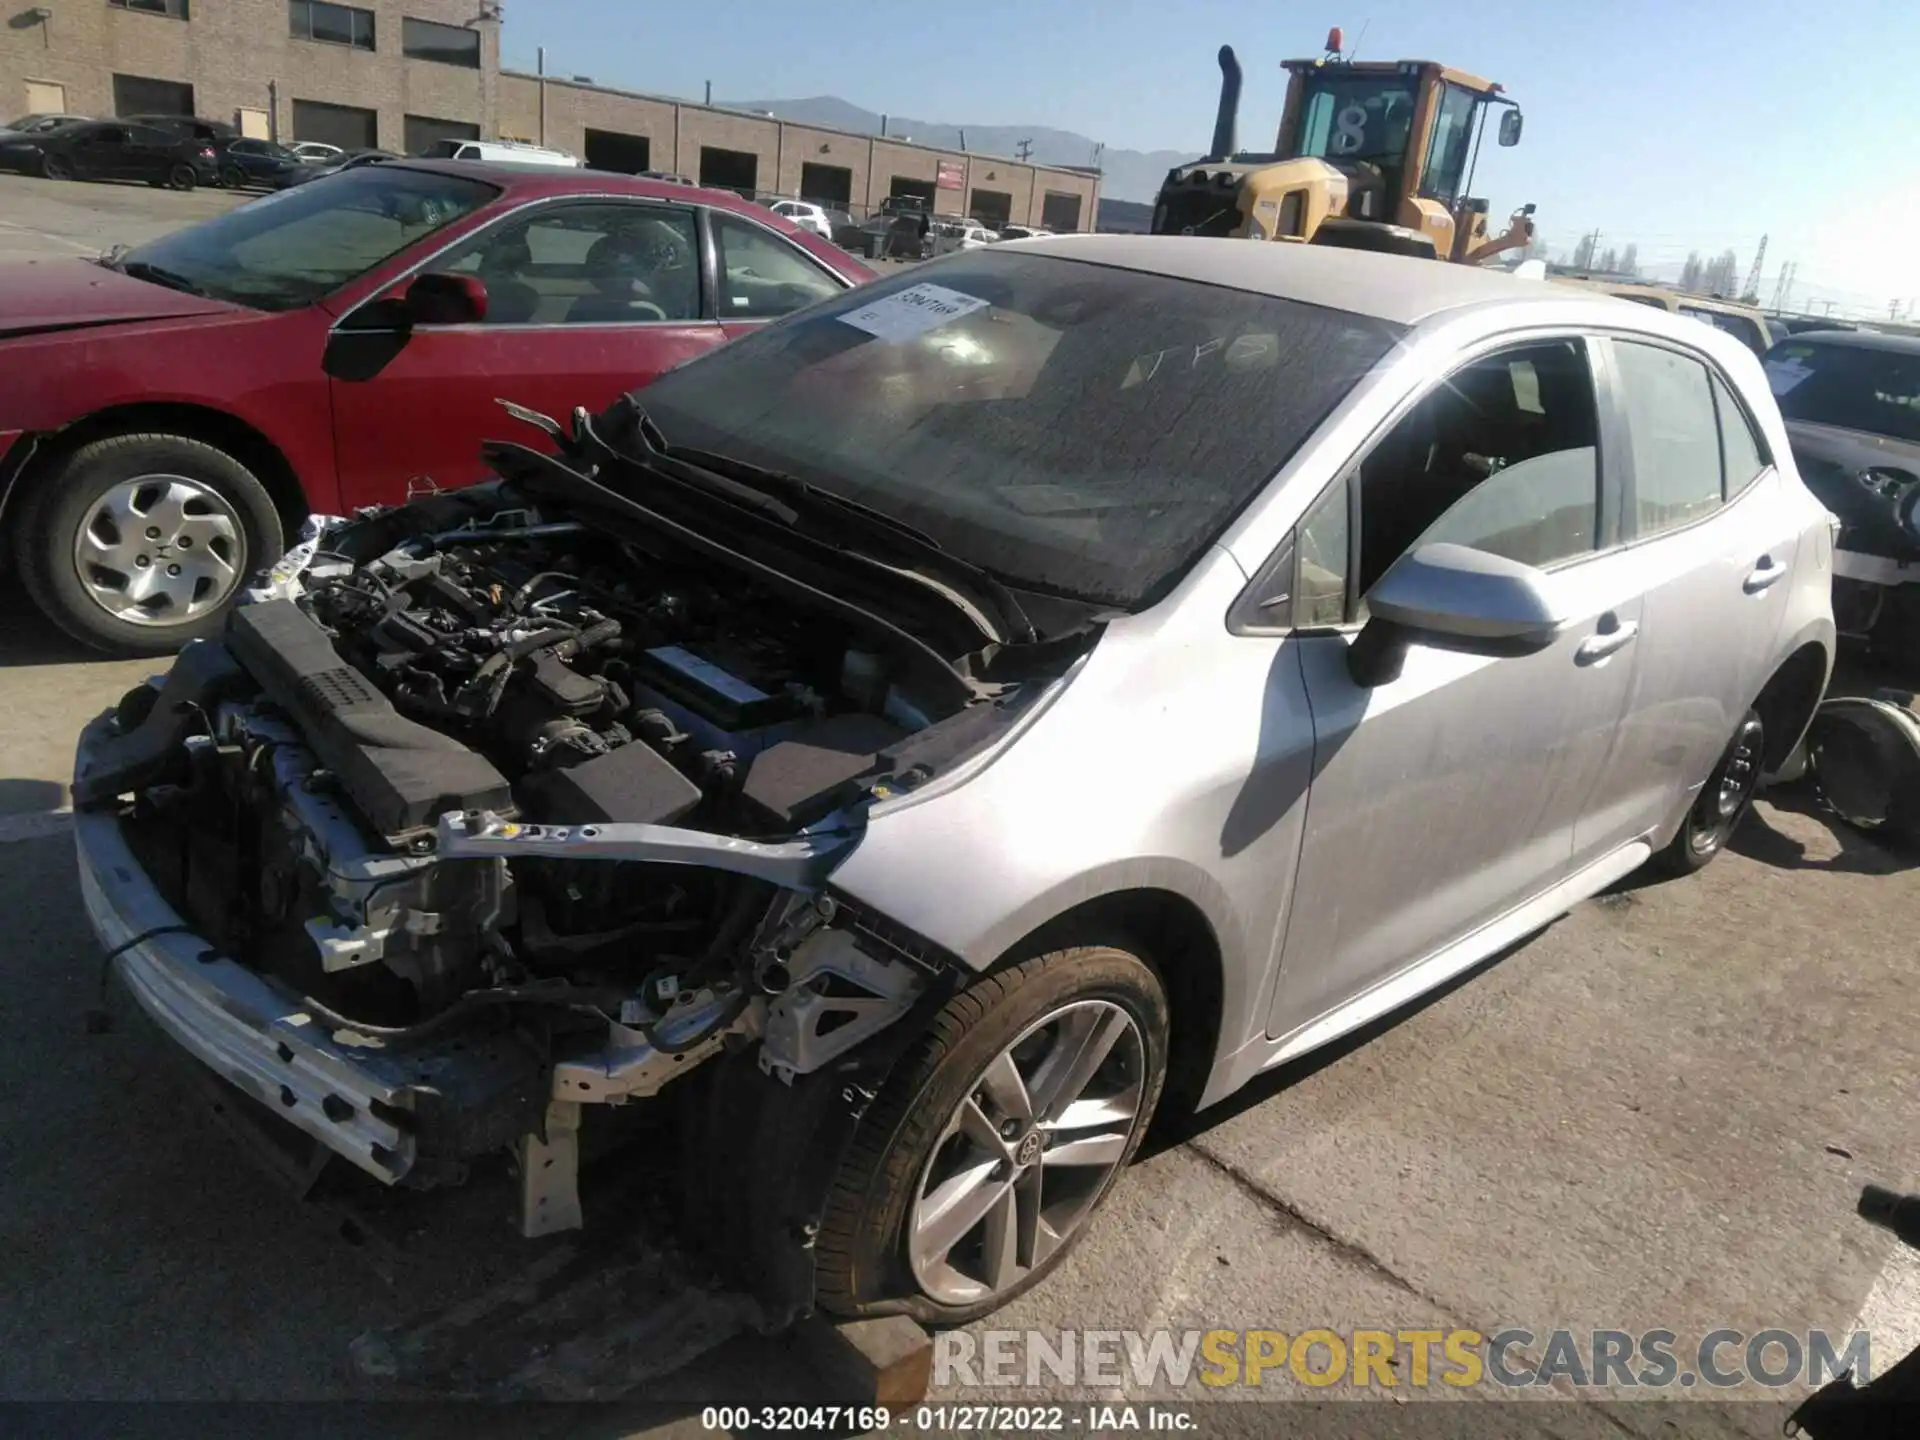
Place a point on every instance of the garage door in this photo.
(424, 132)
(827, 185)
(992, 208)
(1060, 211)
(139, 95)
(614, 150)
(729, 169)
(347, 126)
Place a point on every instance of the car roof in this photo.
(529, 181)
(1395, 288)
(1857, 340)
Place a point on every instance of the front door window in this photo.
(595, 264)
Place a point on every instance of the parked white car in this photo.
(316, 152)
(955, 235)
(805, 214)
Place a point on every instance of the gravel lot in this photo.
(1655, 1114)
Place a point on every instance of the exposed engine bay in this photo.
(481, 766)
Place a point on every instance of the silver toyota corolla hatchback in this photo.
(923, 739)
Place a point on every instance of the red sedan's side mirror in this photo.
(441, 299)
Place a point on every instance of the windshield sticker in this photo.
(1785, 372)
(913, 311)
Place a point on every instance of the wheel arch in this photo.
(246, 443)
(1177, 940)
(1789, 698)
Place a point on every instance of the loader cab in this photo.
(1401, 131)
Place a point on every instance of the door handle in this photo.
(1766, 571)
(1603, 642)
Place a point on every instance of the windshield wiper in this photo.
(142, 270)
(861, 519)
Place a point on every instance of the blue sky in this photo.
(1694, 124)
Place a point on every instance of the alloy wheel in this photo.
(1026, 1155)
(160, 550)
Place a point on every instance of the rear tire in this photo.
(182, 177)
(233, 177)
(1722, 804)
(88, 524)
(913, 1147)
(56, 167)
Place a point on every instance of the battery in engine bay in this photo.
(714, 694)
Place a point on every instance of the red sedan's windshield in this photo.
(289, 249)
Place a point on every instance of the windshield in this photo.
(289, 249)
(1852, 387)
(1355, 118)
(1074, 429)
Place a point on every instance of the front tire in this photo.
(137, 544)
(996, 1139)
(56, 167)
(1723, 801)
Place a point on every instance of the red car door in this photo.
(587, 300)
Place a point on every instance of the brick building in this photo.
(400, 74)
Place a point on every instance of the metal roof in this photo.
(1857, 340)
(1395, 288)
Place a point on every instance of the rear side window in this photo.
(762, 276)
(1740, 452)
(1675, 436)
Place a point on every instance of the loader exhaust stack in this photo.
(1226, 122)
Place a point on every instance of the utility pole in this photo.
(1783, 287)
(1752, 288)
(709, 92)
(1024, 149)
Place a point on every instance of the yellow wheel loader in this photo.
(1375, 155)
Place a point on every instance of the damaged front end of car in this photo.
(522, 800)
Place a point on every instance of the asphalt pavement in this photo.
(1654, 1115)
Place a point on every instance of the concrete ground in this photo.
(1655, 1115)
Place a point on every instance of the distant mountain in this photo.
(1128, 174)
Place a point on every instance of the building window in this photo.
(448, 44)
(334, 24)
(176, 8)
(347, 126)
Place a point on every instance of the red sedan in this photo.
(169, 415)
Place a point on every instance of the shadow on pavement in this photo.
(20, 797)
(28, 638)
(1761, 838)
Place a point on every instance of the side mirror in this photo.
(442, 299)
(1456, 597)
(1511, 124)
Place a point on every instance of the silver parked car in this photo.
(957, 721)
